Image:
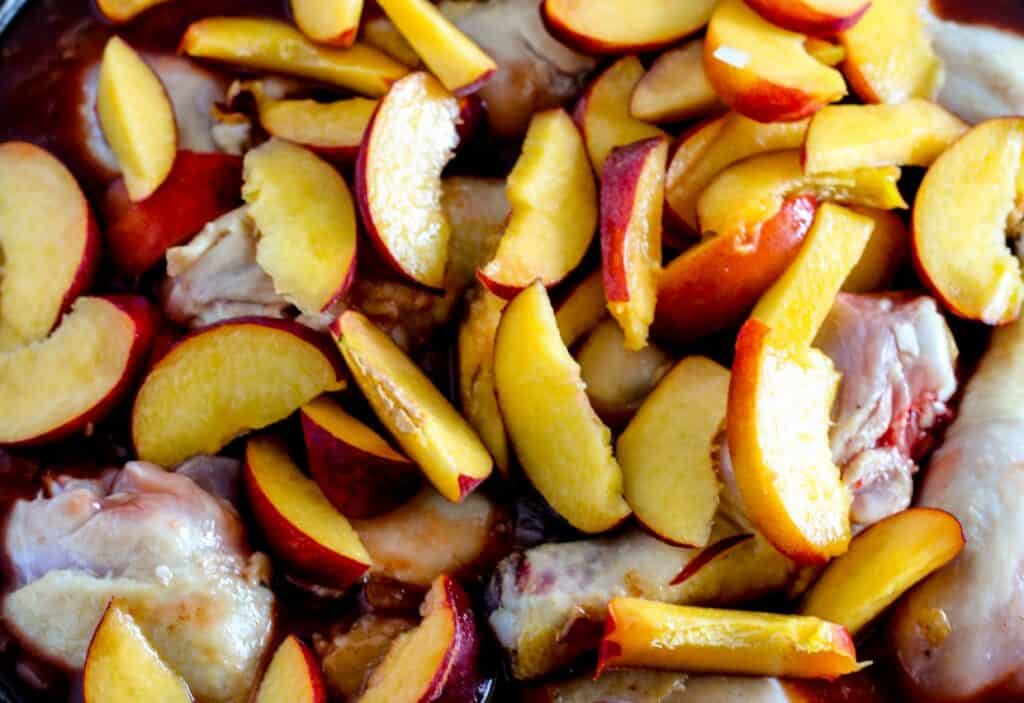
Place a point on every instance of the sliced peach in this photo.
(632, 193)
(889, 57)
(662, 636)
(121, 665)
(449, 54)
(847, 137)
(74, 377)
(437, 661)
(764, 71)
(675, 87)
(563, 447)
(751, 192)
(715, 147)
(621, 26)
(381, 33)
(333, 130)
(307, 242)
(618, 378)
(355, 467)
(885, 253)
(422, 420)
(822, 18)
(200, 188)
(718, 549)
(293, 676)
(825, 51)
(476, 374)
(119, 11)
(333, 22)
(554, 209)
(224, 380)
(409, 141)
(272, 45)
(603, 115)
(137, 119)
(665, 452)
(713, 286)
(883, 563)
(967, 205)
(348, 659)
(300, 524)
(46, 225)
(582, 308)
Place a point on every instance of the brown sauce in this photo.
(1001, 14)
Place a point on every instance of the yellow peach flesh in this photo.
(675, 87)
(582, 309)
(886, 251)
(332, 22)
(618, 26)
(290, 676)
(326, 126)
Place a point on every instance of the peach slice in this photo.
(847, 137)
(476, 374)
(74, 377)
(554, 209)
(137, 119)
(884, 254)
(307, 223)
(632, 193)
(200, 188)
(206, 390)
(355, 467)
(437, 661)
(883, 563)
(381, 33)
(293, 676)
(764, 71)
(422, 420)
(621, 26)
(582, 309)
(889, 57)
(349, 658)
(563, 447)
(821, 18)
(411, 138)
(665, 452)
(617, 378)
(751, 192)
(675, 87)
(968, 202)
(715, 147)
(46, 224)
(449, 54)
(300, 524)
(119, 11)
(121, 665)
(712, 287)
(825, 51)
(658, 635)
(333, 22)
(271, 45)
(333, 130)
(603, 115)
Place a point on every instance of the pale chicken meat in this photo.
(173, 555)
(959, 636)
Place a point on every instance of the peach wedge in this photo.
(675, 87)
(46, 224)
(603, 113)
(307, 242)
(137, 119)
(303, 529)
(632, 194)
(764, 71)
(119, 11)
(622, 26)
(847, 137)
(59, 385)
(967, 205)
(563, 447)
(293, 676)
(554, 209)
(411, 138)
(658, 635)
(883, 563)
(333, 130)
(582, 308)
(224, 380)
(665, 452)
(821, 18)
(333, 22)
(449, 54)
(272, 45)
(886, 252)
(421, 420)
(121, 665)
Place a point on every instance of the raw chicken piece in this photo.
(898, 360)
(219, 476)
(535, 71)
(174, 555)
(960, 634)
